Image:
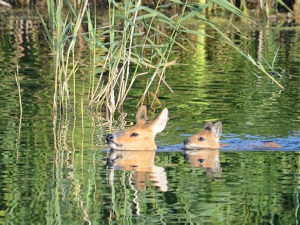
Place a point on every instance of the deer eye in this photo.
(134, 134)
(201, 160)
(201, 139)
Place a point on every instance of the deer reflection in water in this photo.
(205, 158)
(141, 165)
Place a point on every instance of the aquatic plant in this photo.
(17, 77)
(130, 46)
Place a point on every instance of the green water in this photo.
(54, 170)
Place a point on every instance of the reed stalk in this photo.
(134, 50)
(19, 90)
(17, 148)
(62, 37)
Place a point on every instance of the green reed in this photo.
(17, 77)
(62, 35)
(19, 90)
(136, 49)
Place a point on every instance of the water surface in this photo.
(54, 170)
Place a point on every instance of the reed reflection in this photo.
(141, 165)
(205, 158)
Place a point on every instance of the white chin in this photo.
(188, 147)
(114, 146)
(191, 147)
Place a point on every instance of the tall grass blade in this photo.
(19, 90)
(275, 57)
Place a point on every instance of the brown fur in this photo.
(205, 139)
(272, 145)
(140, 136)
(210, 136)
(141, 163)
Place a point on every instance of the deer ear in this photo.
(141, 115)
(217, 129)
(208, 126)
(160, 122)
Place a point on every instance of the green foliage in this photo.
(136, 49)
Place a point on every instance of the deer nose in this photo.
(186, 141)
(109, 137)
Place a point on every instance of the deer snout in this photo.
(109, 137)
(186, 141)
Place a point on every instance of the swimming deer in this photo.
(210, 136)
(141, 165)
(141, 135)
(205, 139)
